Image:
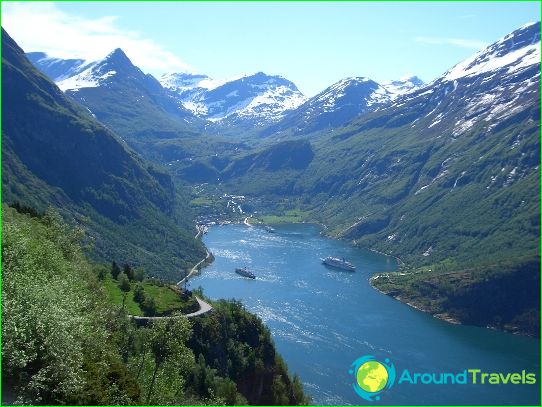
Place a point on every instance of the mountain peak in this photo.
(403, 85)
(95, 74)
(117, 53)
(117, 57)
(515, 51)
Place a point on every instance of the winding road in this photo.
(193, 270)
(204, 307)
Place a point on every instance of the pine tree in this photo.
(115, 270)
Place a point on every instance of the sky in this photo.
(313, 44)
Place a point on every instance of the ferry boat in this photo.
(245, 273)
(338, 263)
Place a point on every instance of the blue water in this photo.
(322, 320)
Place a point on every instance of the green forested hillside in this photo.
(53, 153)
(134, 104)
(446, 178)
(66, 342)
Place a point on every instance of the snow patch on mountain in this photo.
(402, 86)
(89, 78)
(181, 82)
(356, 89)
(261, 97)
(272, 103)
(516, 51)
(57, 68)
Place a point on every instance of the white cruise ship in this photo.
(338, 263)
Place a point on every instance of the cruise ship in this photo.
(245, 273)
(338, 263)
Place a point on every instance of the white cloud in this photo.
(459, 42)
(42, 26)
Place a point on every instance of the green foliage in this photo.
(54, 317)
(148, 298)
(139, 294)
(139, 274)
(124, 282)
(237, 345)
(66, 342)
(128, 271)
(149, 306)
(115, 270)
(55, 153)
(167, 345)
(505, 295)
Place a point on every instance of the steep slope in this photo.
(130, 102)
(449, 148)
(53, 153)
(65, 342)
(446, 178)
(254, 100)
(56, 69)
(335, 106)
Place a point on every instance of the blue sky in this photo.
(314, 44)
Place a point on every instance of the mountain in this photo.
(254, 100)
(56, 154)
(335, 106)
(403, 85)
(130, 102)
(189, 88)
(56, 69)
(446, 177)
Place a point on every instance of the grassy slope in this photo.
(167, 300)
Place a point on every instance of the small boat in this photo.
(245, 273)
(270, 229)
(338, 263)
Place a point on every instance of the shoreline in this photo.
(443, 316)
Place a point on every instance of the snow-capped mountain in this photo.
(132, 103)
(482, 91)
(403, 85)
(101, 72)
(190, 88)
(57, 69)
(254, 100)
(516, 51)
(335, 106)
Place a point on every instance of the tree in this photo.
(100, 270)
(167, 343)
(149, 306)
(139, 274)
(139, 294)
(56, 343)
(115, 270)
(129, 272)
(124, 282)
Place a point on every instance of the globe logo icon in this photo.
(372, 377)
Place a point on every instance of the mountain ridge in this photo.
(55, 153)
(247, 102)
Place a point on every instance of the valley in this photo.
(432, 188)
